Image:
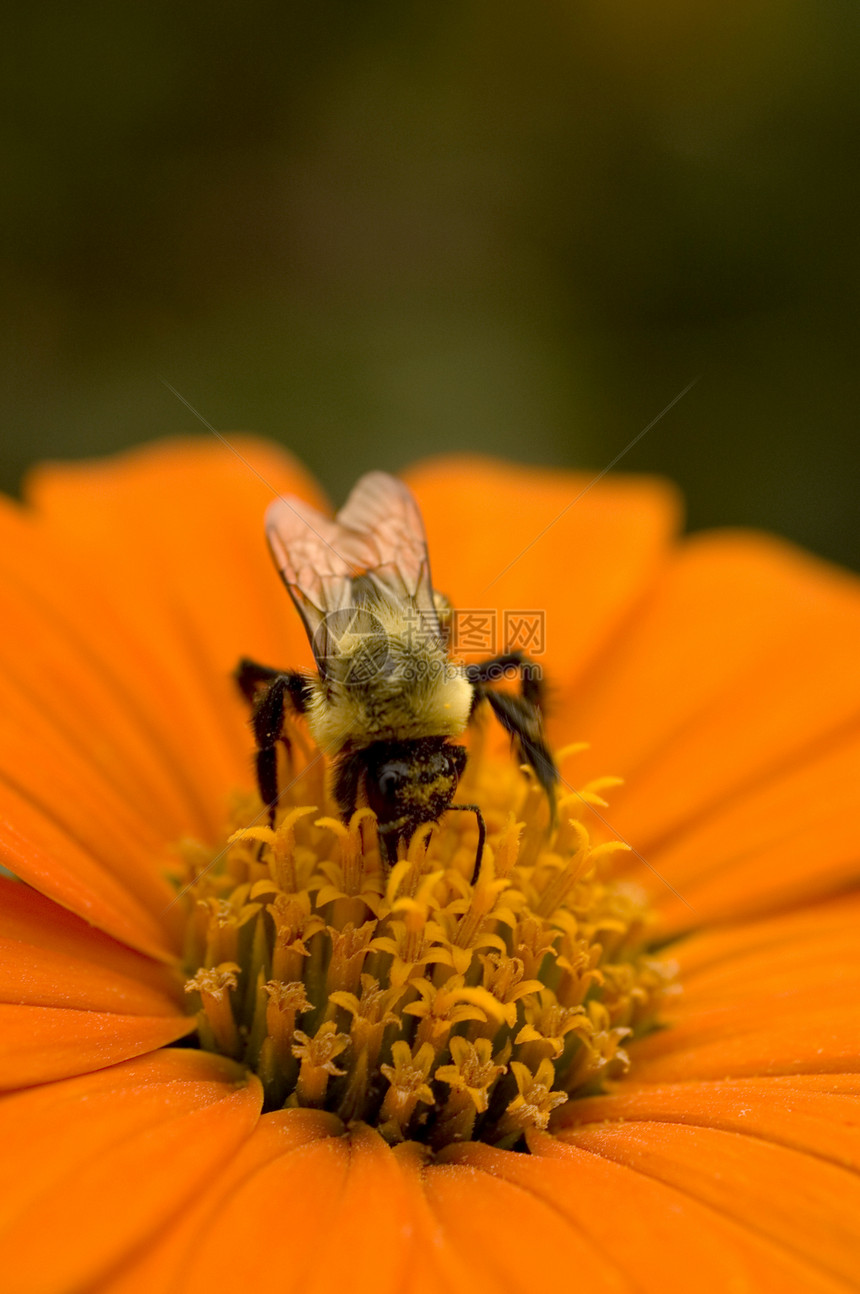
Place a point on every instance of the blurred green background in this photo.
(377, 229)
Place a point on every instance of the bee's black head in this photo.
(410, 782)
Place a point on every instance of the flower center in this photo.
(408, 997)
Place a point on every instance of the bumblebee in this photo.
(387, 700)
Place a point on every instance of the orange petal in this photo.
(510, 1238)
(41, 1043)
(363, 1218)
(801, 1116)
(344, 1188)
(48, 957)
(724, 613)
(277, 1220)
(94, 815)
(40, 852)
(440, 1265)
(807, 1207)
(106, 1161)
(660, 1238)
(738, 673)
(742, 1043)
(106, 717)
(175, 532)
(711, 955)
(220, 1249)
(78, 676)
(45, 930)
(375, 1257)
(190, 511)
(773, 997)
(789, 840)
(516, 538)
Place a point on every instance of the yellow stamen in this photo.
(471, 1075)
(286, 1001)
(433, 1008)
(317, 1056)
(213, 986)
(407, 1076)
(534, 1103)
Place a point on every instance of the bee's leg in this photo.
(345, 784)
(250, 676)
(495, 668)
(482, 834)
(518, 715)
(291, 691)
(389, 839)
(522, 720)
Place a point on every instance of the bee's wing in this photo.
(384, 534)
(315, 562)
(378, 534)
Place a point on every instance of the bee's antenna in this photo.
(482, 835)
(389, 847)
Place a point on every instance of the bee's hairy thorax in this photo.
(391, 685)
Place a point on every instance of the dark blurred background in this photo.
(374, 229)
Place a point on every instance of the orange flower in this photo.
(717, 675)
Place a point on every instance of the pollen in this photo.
(436, 1001)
